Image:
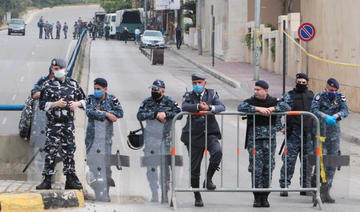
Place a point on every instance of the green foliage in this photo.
(111, 6)
(190, 11)
(249, 41)
(272, 27)
(273, 51)
(187, 26)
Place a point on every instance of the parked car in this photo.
(16, 26)
(152, 38)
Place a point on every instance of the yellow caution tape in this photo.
(258, 37)
(322, 170)
(319, 58)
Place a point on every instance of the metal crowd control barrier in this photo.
(175, 188)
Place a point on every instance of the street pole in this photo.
(146, 14)
(198, 26)
(284, 56)
(307, 59)
(213, 36)
(256, 40)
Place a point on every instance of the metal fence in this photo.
(177, 188)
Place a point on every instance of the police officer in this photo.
(330, 106)
(158, 110)
(299, 99)
(35, 92)
(40, 24)
(102, 106)
(51, 27)
(60, 97)
(265, 104)
(202, 99)
(65, 29)
(76, 30)
(58, 30)
(46, 29)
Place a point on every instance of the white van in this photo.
(111, 19)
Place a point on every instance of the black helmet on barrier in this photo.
(135, 141)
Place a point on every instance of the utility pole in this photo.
(146, 14)
(198, 26)
(257, 40)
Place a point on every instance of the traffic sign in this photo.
(306, 32)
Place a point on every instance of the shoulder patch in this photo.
(317, 97)
(115, 101)
(343, 98)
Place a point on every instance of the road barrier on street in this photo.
(177, 188)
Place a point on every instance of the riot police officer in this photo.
(202, 99)
(59, 98)
(158, 110)
(330, 106)
(58, 29)
(264, 104)
(299, 99)
(102, 106)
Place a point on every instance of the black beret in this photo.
(333, 83)
(101, 81)
(262, 83)
(197, 76)
(157, 84)
(302, 76)
(58, 62)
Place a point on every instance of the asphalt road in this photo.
(129, 75)
(23, 60)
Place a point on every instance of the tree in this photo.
(111, 6)
(190, 10)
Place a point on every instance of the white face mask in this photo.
(60, 73)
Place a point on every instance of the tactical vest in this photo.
(261, 120)
(302, 102)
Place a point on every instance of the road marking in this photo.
(68, 51)
(32, 53)
(4, 121)
(13, 98)
(22, 79)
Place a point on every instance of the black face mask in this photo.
(155, 95)
(301, 87)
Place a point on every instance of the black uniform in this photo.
(190, 104)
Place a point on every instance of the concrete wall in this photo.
(336, 39)
(230, 27)
(14, 154)
(271, 9)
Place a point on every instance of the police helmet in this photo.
(135, 141)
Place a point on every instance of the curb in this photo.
(41, 201)
(208, 70)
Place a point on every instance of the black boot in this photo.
(324, 193)
(210, 173)
(264, 200)
(257, 200)
(72, 182)
(46, 183)
(198, 200)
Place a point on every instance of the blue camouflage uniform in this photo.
(39, 84)
(322, 104)
(157, 139)
(60, 128)
(298, 101)
(111, 105)
(262, 146)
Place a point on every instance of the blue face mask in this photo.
(98, 94)
(198, 88)
(332, 95)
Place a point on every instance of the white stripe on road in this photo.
(13, 98)
(32, 53)
(4, 121)
(22, 79)
(69, 49)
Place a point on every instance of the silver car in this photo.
(152, 39)
(16, 26)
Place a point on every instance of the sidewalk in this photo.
(22, 196)
(240, 75)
